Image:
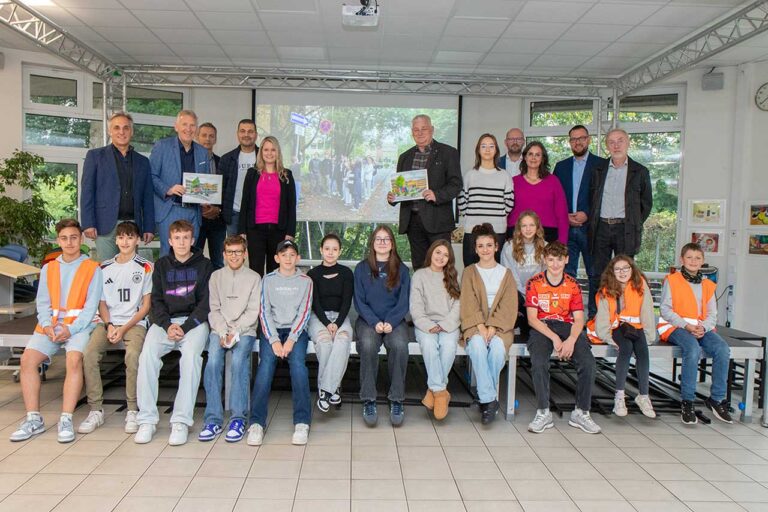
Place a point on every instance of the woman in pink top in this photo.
(268, 207)
(538, 190)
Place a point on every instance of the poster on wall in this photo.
(758, 244)
(757, 214)
(706, 212)
(710, 241)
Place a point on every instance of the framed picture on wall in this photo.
(706, 212)
(710, 241)
(757, 214)
(757, 243)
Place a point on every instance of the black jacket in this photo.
(218, 222)
(638, 201)
(181, 289)
(286, 218)
(444, 175)
(227, 167)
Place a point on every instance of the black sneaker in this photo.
(322, 401)
(687, 414)
(720, 409)
(370, 416)
(396, 413)
(489, 412)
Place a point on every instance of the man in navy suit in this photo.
(110, 172)
(575, 174)
(170, 158)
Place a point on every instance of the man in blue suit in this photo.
(170, 158)
(575, 174)
(116, 171)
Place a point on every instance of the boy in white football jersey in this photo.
(123, 310)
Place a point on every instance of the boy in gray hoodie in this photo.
(286, 304)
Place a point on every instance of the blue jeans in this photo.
(262, 384)
(487, 363)
(713, 346)
(241, 378)
(438, 351)
(215, 232)
(578, 244)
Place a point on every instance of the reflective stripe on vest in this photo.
(684, 303)
(78, 291)
(630, 314)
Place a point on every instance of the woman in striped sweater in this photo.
(487, 196)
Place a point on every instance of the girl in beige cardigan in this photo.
(488, 314)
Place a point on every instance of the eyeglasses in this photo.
(515, 139)
(578, 139)
(487, 146)
(382, 240)
(234, 252)
(621, 270)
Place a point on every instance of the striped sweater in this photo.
(487, 196)
(286, 303)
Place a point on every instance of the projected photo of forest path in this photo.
(342, 157)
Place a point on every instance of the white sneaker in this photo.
(131, 422)
(255, 435)
(541, 422)
(66, 430)
(300, 434)
(179, 433)
(619, 406)
(583, 420)
(645, 405)
(144, 433)
(94, 420)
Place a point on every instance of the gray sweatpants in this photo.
(332, 352)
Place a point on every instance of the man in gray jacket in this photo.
(235, 300)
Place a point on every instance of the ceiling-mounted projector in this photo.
(365, 16)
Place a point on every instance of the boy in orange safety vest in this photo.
(67, 300)
(688, 318)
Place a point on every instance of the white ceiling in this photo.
(535, 37)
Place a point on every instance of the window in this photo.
(60, 197)
(154, 102)
(72, 132)
(145, 136)
(48, 90)
(651, 108)
(561, 113)
(558, 147)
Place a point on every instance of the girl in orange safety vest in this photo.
(625, 318)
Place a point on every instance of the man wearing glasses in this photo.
(621, 200)
(515, 142)
(575, 174)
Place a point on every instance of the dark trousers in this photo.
(262, 244)
(540, 347)
(642, 362)
(420, 240)
(468, 249)
(522, 317)
(609, 241)
(368, 345)
(214, 231)
(578, 244)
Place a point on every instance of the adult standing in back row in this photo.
(431, 218)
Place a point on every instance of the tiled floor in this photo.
(455, 465)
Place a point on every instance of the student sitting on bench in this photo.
(688, 318)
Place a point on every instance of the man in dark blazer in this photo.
(169, 159)
(110, 172)
(622, 198)
(431, 218)
(213, 230)
(575, 174)
(233, 166)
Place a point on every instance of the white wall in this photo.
(224, 108)
(487, 114)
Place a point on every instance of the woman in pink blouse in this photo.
(538, 190)
(268, 207)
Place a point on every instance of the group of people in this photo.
(350, 179)
(183, 302)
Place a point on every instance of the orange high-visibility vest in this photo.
(630, 313)
(684, 302)
(78, 291)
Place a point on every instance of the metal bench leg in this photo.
(511, 388)
(227, 378)
(748, 390)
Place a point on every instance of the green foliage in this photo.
(354, 239)
(70, 132)
(60, 196)
(657, 252)
(562, 118)
(24, 222)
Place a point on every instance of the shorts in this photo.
(43, 343)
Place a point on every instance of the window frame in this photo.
(51, 72)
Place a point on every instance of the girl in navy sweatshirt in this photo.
(382, 287)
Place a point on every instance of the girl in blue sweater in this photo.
(382, 287)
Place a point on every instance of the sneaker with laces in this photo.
(541, 422)
(583, 420)
(335, 398)
(300, 434)
(66, 430)
(131, 422)
(255, 435)
(31, 426)
(687, 414)
(94, 420)
(645, 405)
(721, 409)
(370, 416)
(489, 412)
(210, 432)
(144, 433)
(619, 406)
(235, 431)
(322, 401)
(179, 433)
(396, 413)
